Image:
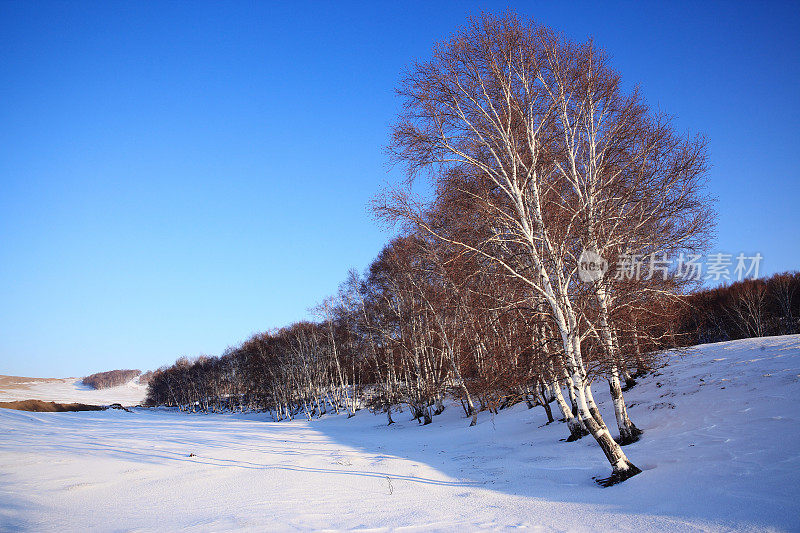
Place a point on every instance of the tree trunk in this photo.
(641, 367)
(540, 393)
(622, 468)
(628, 432)
(576, 429)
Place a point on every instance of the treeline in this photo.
(355, 356)
(112, 378)
(509, 282)
(413, 330)
(749, 308)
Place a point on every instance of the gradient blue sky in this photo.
(177, 176)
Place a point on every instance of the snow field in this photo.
(70, 390)
(721, 452)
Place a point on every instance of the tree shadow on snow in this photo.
(517, 453)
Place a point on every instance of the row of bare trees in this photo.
(748, 308)
(426, 323)
(299, 369)
(542, 170)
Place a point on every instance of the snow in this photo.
(720, 452)
(69, 390)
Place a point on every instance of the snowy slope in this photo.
(721, 451)
(69, 390)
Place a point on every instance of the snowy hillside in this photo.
(69, 390)
(721, 451)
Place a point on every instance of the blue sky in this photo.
(175, 176)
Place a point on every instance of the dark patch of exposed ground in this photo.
(49, 407)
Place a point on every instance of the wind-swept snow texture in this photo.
(721, 451)
(69, 390)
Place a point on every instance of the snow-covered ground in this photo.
(721, 451)
(69, 390)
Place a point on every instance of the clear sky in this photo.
(175, 176)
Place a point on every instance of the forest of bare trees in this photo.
(536, 155)
(112, 378)
(748, 308)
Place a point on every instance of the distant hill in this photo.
(111, 378)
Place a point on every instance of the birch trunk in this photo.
(576, 428)
(628, 432)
